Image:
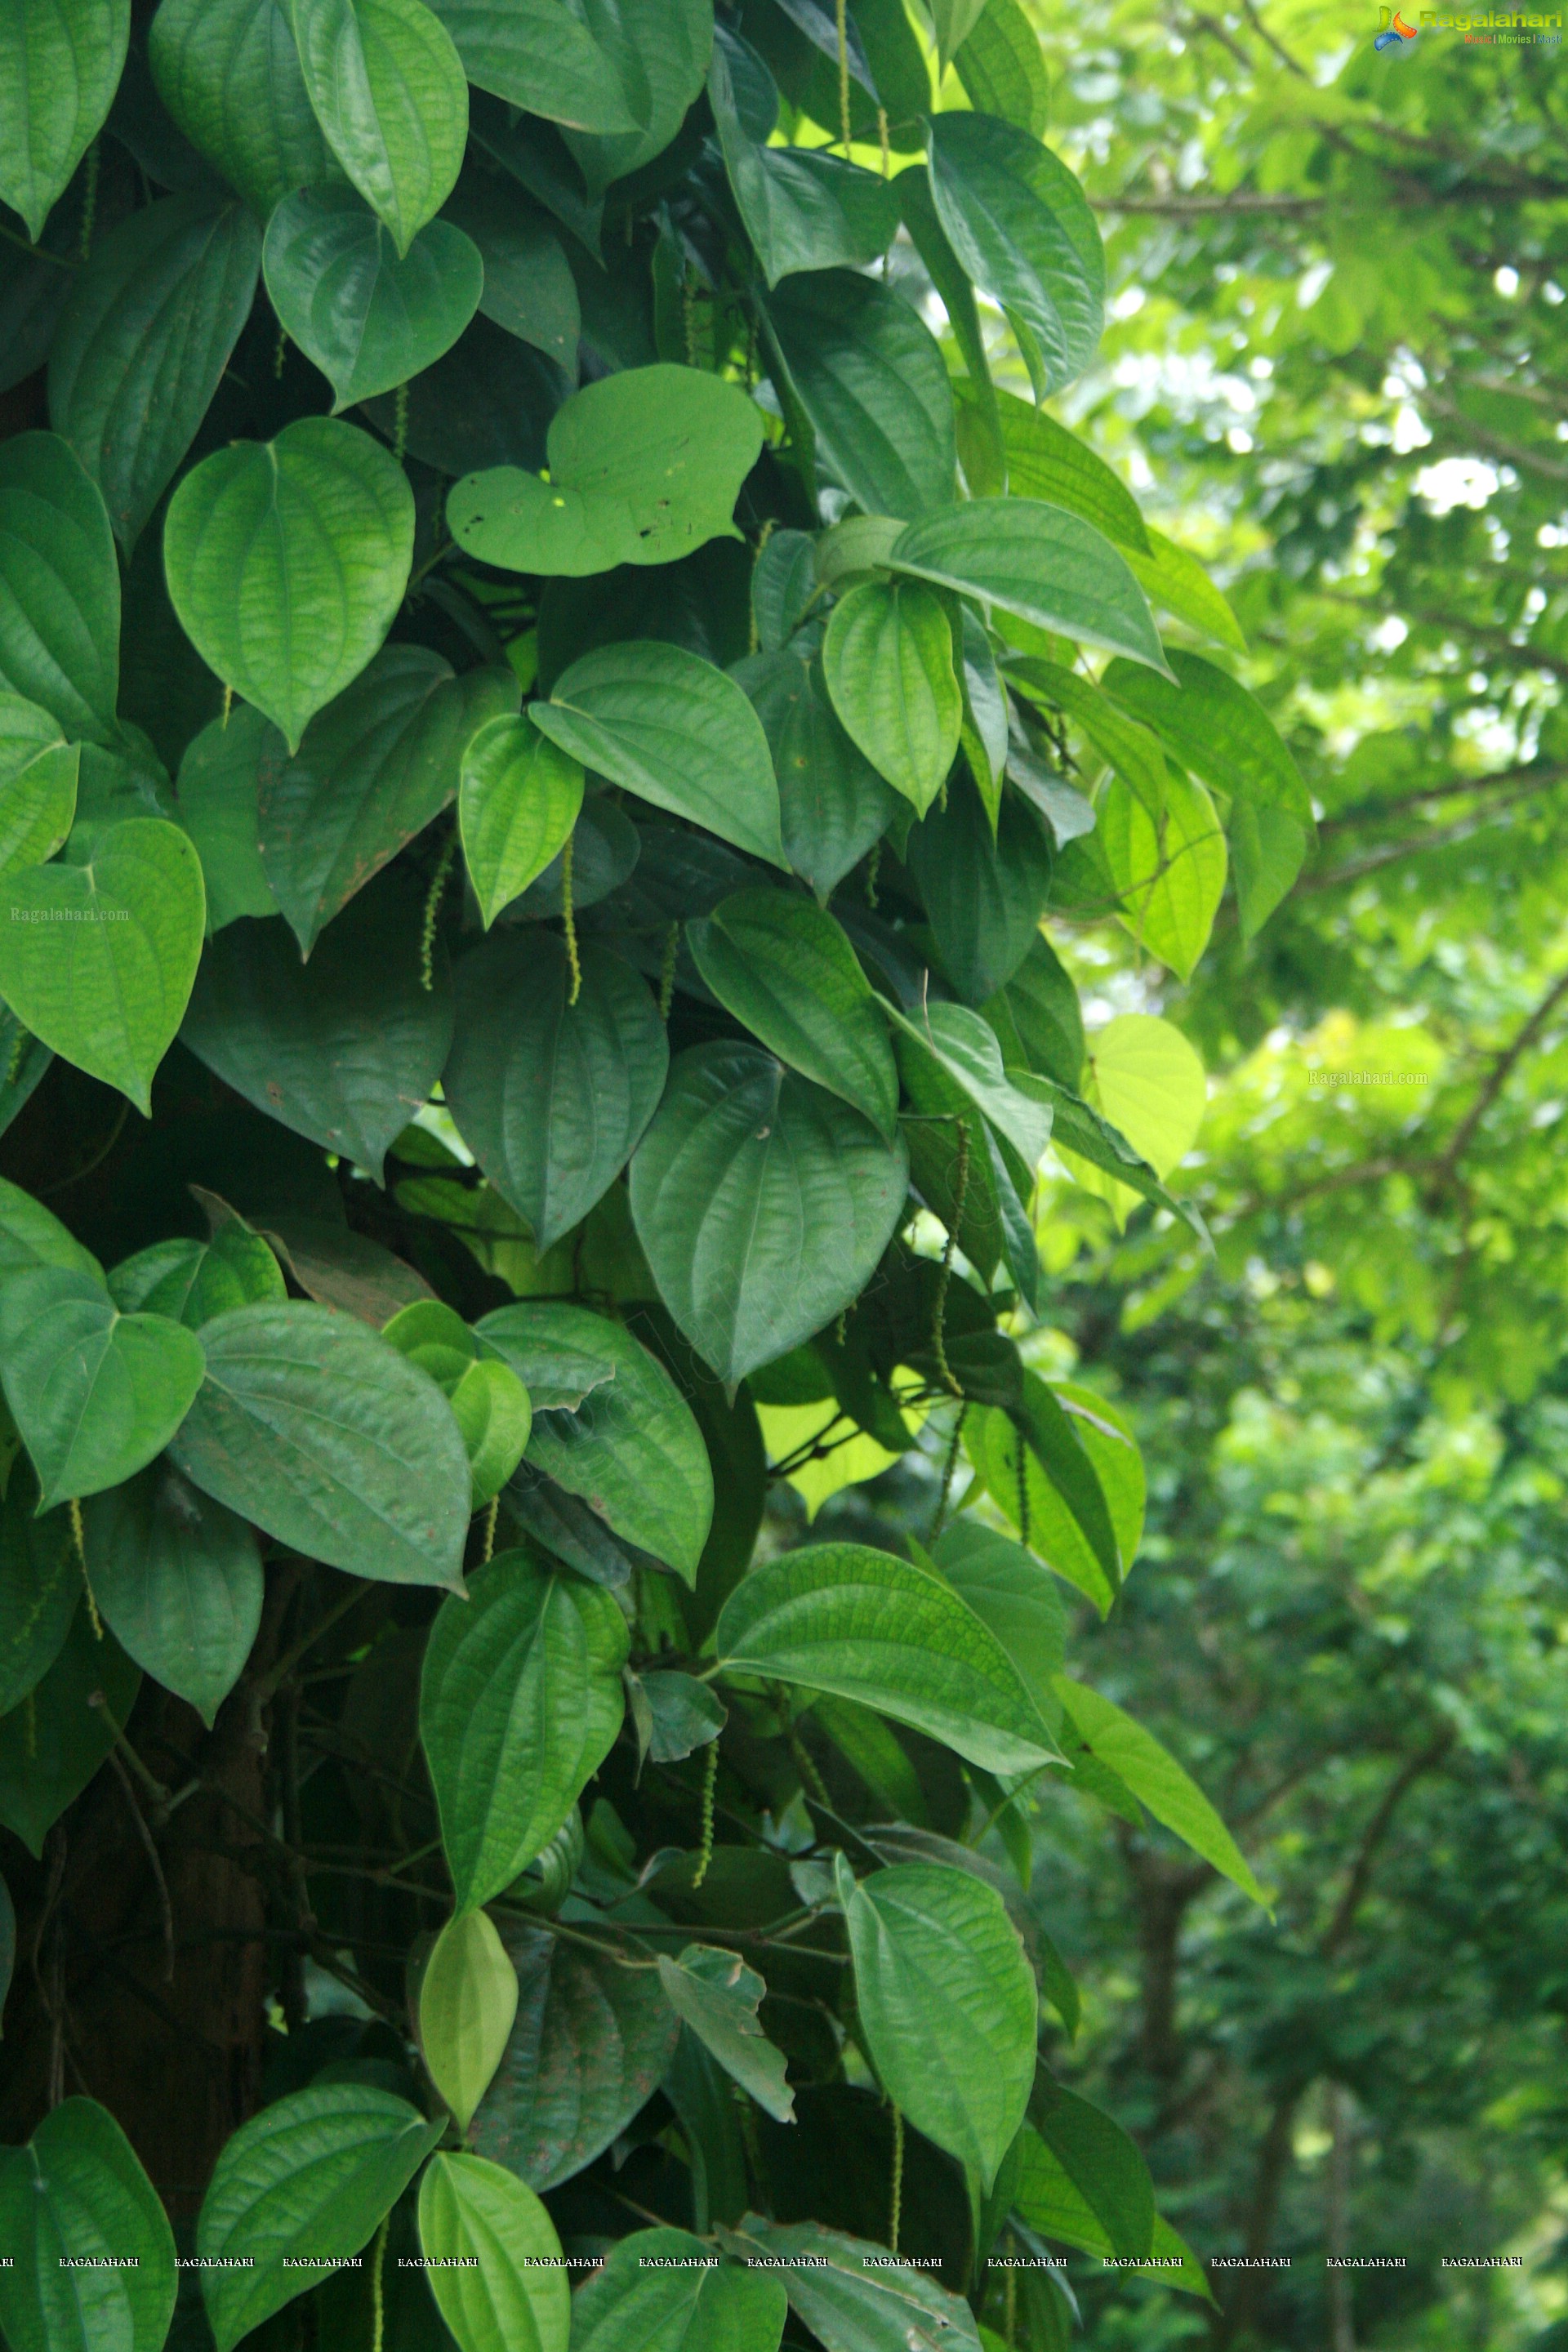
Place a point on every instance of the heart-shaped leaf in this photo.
(59, 587)
(538, 55)
(496, 2269)
(674, 730)
(192, 1281)
(94, 2263)
(310, 1425)
(37, 783)
(60, 62)
(888, 661)
(218, 805)
(551, 1094)
(520, 1703)
(984, 894)
(286, 561)
(529, 287)
(802, 209)
(143, 341)
(389, 90)
(645, 465)
(95, 1393)
(660, 49)
(179, 1582)
(517, 804)
(367, 317)
(468, 2000)
(228, 72)
(98, 959)
(870, 378)
(762, 1204)
(832, 804)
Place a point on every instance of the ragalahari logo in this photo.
(1395, 34)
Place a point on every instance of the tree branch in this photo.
(1371, 1837)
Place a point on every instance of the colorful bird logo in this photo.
(1394, 35)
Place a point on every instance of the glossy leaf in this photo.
(467, 2002)
(95, 1393)
(59, 587)
(93, 2256)
(860, 1624)
(984, 894)
(966, 1047)
(1044, 460)
(850, 2294)
(517, 804)
(1216, 728)
(1089, 2152)
(286, 561)
(802, 209)
(660, 47)
(1177, 584)
(871, 379)
(1010, 1592)
(674, 730)
(53, 1743)
(219, 785)
(390, 94)
(718, 1996)
(192, 1281)
(520, 1700)
(143, 341)
(311, 1426)
(538, 55)
(887, 660)
(1036, 560)
(178, 1580)
(228, 72)
(1153, 1775)
(1002, 69)
(516, 2294)
(762, 1204)
(1167, 870)
(528, 287)
(659, 2287)
(368, 317)
(832, 804)
(38, 784)
(31, 1234)
(60, 61)
(305, 2180)
(1132, 749)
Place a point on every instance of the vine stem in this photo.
(843, 26)
(573, 958)
(400, 423)
(705, 1841)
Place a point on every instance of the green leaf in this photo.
(850, 2295)
(305, 2181)
(192, 1281)
(1038, 1019)
(802, 209)
(683, 1715)
(1131, 748)
(1075, 2154)
(660, 49)
(552, 1096)
(59, 587)
(311, 1426)
(30, 1235)
(673, 729)
(785, 969)
(60, 63)
(367, 316)
(559, 1353)
(143, 341)
(984, 895)
(1158, 1781)
(1037, 1468)
(1150, 1083)
(538, 55)
(52, 1744)
(286, 561)
(228, 72)
(592, 2040)
(517, 804)
(38, 784)
(468, 2002)
(762, 1204)
(516, 2298)
(1168, 870)
(1035, 560)
(520, 1703)
(528, 287)
(95, 1393)
(833, 806)
(947, 2003)
(1021, 228)
(77, 2195)
(1177, 583)
(718, 1996)
(178, 1579)
(1216, 728)
(40, 1584)
(860, 1624)
(217, 803)
(660, 2288)
(344, 1049)
(965, 1046)
(1002, 69)
(1010, 1592)
(644, 466)
(870, 378)
(888, 661)
(1044, 460)
(375, 767)
(389, 91)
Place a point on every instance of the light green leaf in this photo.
(375, 767)
(517, 2298)
(965, 1044)
(802, 209)
(785, 969)
(95, 1393)
(468, 2002)
(30, 1235)
(644, 466)
(1010, 1592)
(1154, 1776)
(52, 1744)
(849, 2295)
(551, 1096)
(40, 1584)
(870, 378)
(832, 802)
(143, 341)
(1216, 727)
(947, 2003)
(368, 318)
(860, 1624)
(517, 804)
(77, 2195)
(60, 63)
(1168, 870)
(1065, 1507)
(306, 2180)
(1080, 2168)
(344, 1049)
(388, 89)
(228, 72)
(888, 661)
(1036, 560)
(1021, 228)
(763, 1203)
(286, 561)
(38, 784)
(178, 1579)
(674, 730)
(658, 2291)
(310, 1425)
(1131, 748)
(1267, 846)
(1177, 583)
(520, 1703)
(217, 803)
(718, 1996)
(538, 55)
(1003, 68)
(59, 587)
(490, 1406)
(1044, 460)
(1149, 1084)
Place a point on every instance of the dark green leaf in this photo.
(1002, 69)
(368, 318)
(657, 2288)
(683, 1715)
(40, 1584)
(870, 378)
(390, 93)
(60, 63)
(95, 1393)
(850, 2295)
(1041, 1004)
(784, 586)
(802, 209)
(1036, 560)
(984, 896)
(192, 1281)
(538, 55)
(1157, 1779)
(1097, 2159)
(1044, 460)
(53, 1743)
(220, 780)
(1021, 226)
(718, 1996)
(38, 771)
(966, 1047)
(832, 802)
(1012, 1593)
(228, 72)
(1216, 728)
(59, 587)
(179, 1582)
(660, 47)
(93, 2269)
(529, 289)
